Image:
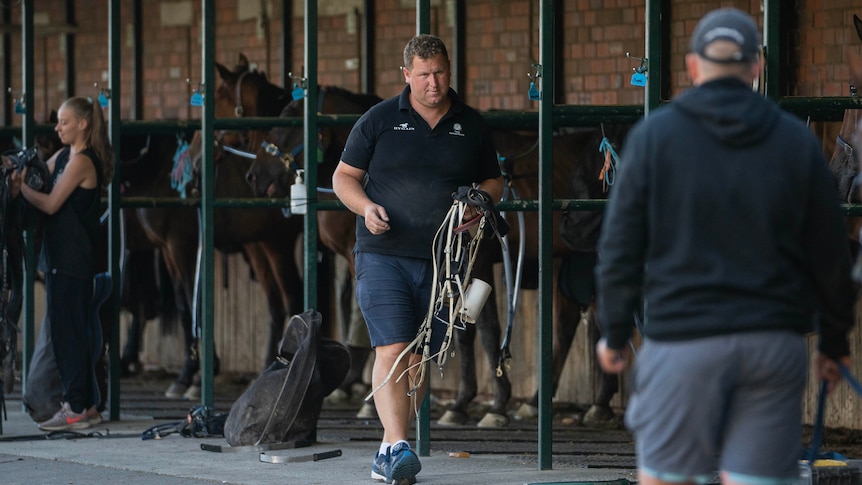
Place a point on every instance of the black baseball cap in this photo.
(727, 24)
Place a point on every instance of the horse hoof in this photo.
(493, 420)
(527, 411)
(452, 418)
(598, 416)
(176, 391)
(367, 411)
(337, 397)
(193, 393)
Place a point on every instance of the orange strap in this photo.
(604, 171)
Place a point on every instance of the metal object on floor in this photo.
(297, 459)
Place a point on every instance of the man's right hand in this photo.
(827, 369)
(376, 219)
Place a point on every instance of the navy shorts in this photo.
(731, 403)
(394, 293)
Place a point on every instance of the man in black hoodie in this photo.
(725, 229)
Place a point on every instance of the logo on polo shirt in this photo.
(456, 130)
(403, 127)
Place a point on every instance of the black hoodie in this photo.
(724, 219)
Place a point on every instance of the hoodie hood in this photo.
(729, 110)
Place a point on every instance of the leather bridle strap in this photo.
(238, 110)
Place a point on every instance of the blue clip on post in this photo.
(639, 78)
(534, 93)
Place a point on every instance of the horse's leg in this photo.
(338, 233)
(488, 327)
(191, 364)
(359, 348)
(467, 387)
(130, 361)
(601, 413)
(260, 261)
(182, 276)
(140, 294)
(354, 333)
(563, 311)
(358, 345)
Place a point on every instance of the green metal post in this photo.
(546, 265)
(27, 135)
(654, 37)
(772, 47)
(423, 17)
(311, 161)
(207, 342)
(114, 66)
(423, 419)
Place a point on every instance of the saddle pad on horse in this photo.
(283, 403)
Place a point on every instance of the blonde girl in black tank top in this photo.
(78, 173)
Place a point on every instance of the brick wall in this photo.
(502, 42)
(825, 33)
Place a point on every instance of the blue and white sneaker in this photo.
(381, 462)
(403, 465)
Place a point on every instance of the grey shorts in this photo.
(394, 294)
(731, 403)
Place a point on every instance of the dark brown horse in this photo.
(264, 235)
(578, 163)
(246, 92)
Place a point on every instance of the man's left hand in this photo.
(612, 361)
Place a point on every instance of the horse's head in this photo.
(195, 152)
(591, 176)
(269, 176)
(246, 92)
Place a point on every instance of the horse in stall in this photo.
(247, 92)
(265, 237)
(577, 166)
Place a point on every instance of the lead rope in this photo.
(608, 174)
(817, 433)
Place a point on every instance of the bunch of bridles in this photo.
(455, 247)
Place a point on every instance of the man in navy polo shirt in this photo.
(402, 162)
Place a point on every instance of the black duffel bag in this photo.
(283, 404)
